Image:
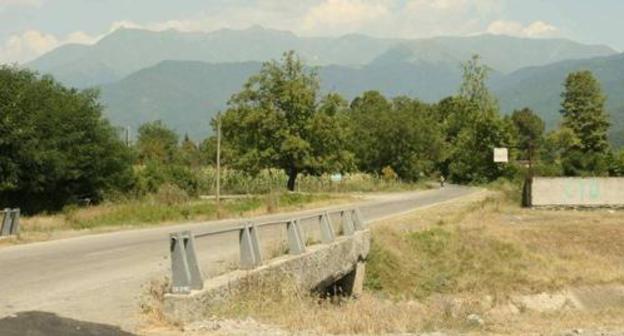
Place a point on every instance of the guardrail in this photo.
(10, 222)
(187, 276)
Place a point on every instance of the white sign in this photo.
(501, 155)
(336, 177)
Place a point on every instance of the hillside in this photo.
(185, 95)
(540, 89)
(126, 51)
(502, 53)
(197, 90)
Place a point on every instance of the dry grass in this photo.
(429, 270)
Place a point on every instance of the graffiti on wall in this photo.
(581, 190)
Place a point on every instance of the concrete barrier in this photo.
(9, 222)
(577, 192)
(317, 268)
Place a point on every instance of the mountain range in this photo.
(185, 78)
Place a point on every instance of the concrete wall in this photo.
(318, 267)
(577, 192)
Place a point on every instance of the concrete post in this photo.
(356, 217)
(5, 230)
(250, 255)
(186, 275)
(16, 221)
(347, 224)
(327, 230)
(353, 283)
(296, 245)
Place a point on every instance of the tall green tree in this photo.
(583, 110)
(530, 130)
(474, 85)
(56, 147)
(274, 123)
(475, 128)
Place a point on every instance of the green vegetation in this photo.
(530, 128)
(402, 136)
(584, 115)
(273, 123)
(56, 148)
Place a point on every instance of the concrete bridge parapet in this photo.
(320, 267)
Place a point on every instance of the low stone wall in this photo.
(318, 267)
(577, 192)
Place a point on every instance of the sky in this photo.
(30, 28)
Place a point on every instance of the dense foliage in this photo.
(402, 134)
(55, 146)
(275, 122)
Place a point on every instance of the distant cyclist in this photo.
(442, 180)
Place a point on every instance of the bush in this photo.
(153, 175)
(170, 194)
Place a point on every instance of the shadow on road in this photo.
(47, 324)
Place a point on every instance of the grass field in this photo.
(434, 268)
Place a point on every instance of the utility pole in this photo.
(529, 178)
(128, 136)
(218, 196)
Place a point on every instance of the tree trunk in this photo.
(292, 177)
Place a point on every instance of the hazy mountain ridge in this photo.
(197, 90)
(128, 50)
(184, 78)
(502, 53)
(540, 88)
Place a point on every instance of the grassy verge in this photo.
(157, 211)
(432, 269)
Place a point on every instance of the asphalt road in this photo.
(98, 278)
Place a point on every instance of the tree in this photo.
(402, 134)
(475, 128)
(189, 153)
(474, 85)
(56, 147)
(584, 117)
(274, 123)
(471, 155)
(530, 128)
(583, 112)
(156, 142)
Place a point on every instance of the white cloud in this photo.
(513, 28)
(26, 45)
(541, 28)
(388, 18)
(392, 18)
(343, 15)
(29, 44)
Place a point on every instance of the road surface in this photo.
(99, 278)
